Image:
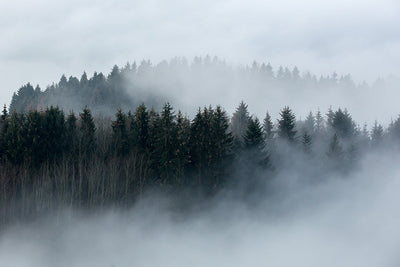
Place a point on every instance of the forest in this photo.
(53, 159)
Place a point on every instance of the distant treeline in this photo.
(49, 159)
(134, 84)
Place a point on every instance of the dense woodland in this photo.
(52, 158)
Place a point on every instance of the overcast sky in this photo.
(42, 39)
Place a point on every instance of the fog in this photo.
(328, 220)
(45, 39)
(193, 83)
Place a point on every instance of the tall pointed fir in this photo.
(87, 128)
(166, 145)
(254, 145)
(286, 125)
(239, 122)
(120, 134)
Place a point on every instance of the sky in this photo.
(43, 39)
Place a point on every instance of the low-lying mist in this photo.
(328, 220)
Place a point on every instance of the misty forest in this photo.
(90, 144)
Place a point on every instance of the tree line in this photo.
(128, 86)
(49, 159)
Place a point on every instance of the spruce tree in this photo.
(254, 145)
(376, 134)
(268, 128)
(286, 125)
(71, 135)
(166, 145)
(139, 130)
(335, 150)
(120, 134)
(239, 122)
(307, 143)
(87, 128)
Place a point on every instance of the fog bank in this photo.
(339, 221)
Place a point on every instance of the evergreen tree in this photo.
(4, 114)
(268, 128)
(139, 130)
(71, 134)
(309, 123)
(14, 138)
(120, 134)
(87, 144)
(376, 134)
(240, 121)
(335, 151)
(53, 133)
(183, 151)
(222, 146)
(343, 124)
(34, 138)
(166, 145)
(286, 125)
(307, 142)
(254, 144)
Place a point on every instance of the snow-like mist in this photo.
(349, 220)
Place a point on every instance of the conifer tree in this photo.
(307, 142)
(309, 124)
(120, 134)
(71, 135)
(239, 122)
(166, 144)
(268, 128)
(14, 138)
(183, 151)
(54, 133)
(335, 150)
(343, 125)
(33, 140)
(286, 125)
(87, 128)
(139, 130)
(376, 134)
(222, 146)
(319, 123)
(254, 145)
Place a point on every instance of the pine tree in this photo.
(376, 134)
(120, 134)
(4, 114)
(183, 151)
(254, 145)
(87, 144)
(166, 145)
(309, 123)
(34, 137)
(268, 128)
(54, 133)
(71, 135)
(307, 142)
(14, 138)
(221, 154)
(343, 124)
(319, 123)
(286, 125)
(335, 151)
(139, 130)
(239, 122)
